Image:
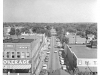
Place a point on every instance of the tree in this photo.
(71, 30)
(48, 33)
(65, 39)
(82, 34)
(81, 27)
(18, 32)
(26, 30)
(12, 31)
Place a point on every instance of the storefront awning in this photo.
(16, 66)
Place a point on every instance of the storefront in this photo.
(89, 65)
(17, 66)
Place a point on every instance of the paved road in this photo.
(54, 63)
(50, 57)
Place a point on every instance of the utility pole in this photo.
(75, 36)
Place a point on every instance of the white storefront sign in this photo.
(87, 62)
(17, 62)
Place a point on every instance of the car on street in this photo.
(46, 59)
(62, 61)
(44, 66)
(61, 49)
(60, 53)
(55, 51)
(42, 72)
(64, 67)
(49, 47)
(61, 58)
(48, 52)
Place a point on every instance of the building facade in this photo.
(21, 55)
(82, 58)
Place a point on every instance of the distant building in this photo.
(90, 36)
(75, 39)
(6, 30)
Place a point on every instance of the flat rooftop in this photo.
(81, 51)
(18, 40)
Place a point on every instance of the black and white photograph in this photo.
(50, 37)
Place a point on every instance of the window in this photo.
(3, 54)
(13, 54)
(80, 62)
(27, 54)
(22, 54)
(8, 54)
(18, 54)
(22, 47)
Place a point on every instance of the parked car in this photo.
(48, 52)
(64, 67)
(44, 66)
(49, 47)
(62, 61)
(55, 51)
(46, 59)
(61, 58)
(42, 72)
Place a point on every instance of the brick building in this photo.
(21, 55)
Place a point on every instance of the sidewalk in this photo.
(40, 64)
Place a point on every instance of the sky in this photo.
(49, 11)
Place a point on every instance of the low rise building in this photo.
(81, 57)
(75, 39)
(21, 55)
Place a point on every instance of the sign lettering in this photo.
(11, 62)
(87, 62)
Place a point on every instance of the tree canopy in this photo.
(12, 31)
